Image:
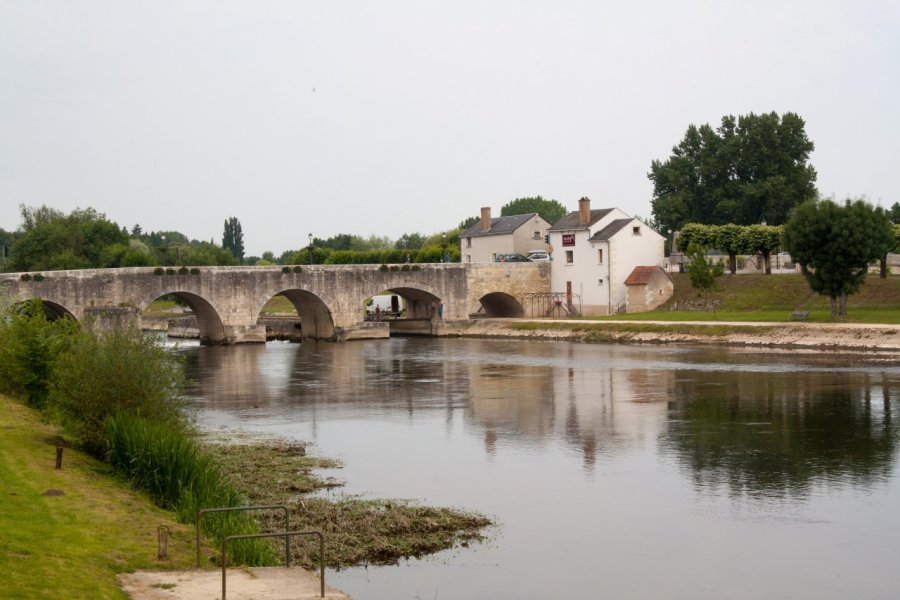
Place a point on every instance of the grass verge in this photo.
(774, 297)
(72, 545)
(357, 531)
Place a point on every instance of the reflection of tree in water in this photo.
(779, 435)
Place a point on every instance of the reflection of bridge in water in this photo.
(329, 299)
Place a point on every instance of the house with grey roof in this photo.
(594, 252)
(490, 237)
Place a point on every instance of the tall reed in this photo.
(173, 469)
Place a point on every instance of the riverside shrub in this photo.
(30, 346)
(115, 371)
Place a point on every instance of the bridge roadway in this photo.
(330, 299)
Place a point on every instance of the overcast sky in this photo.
(385, 117)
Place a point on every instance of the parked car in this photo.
(539, 256)
(512, 258)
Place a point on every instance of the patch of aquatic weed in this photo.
(382, 532)
(357, 531)
(270, 463)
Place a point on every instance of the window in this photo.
(600, 258)
(536, 236)
(570, 257)
(636, 230)
(468, 242)
(468, 258)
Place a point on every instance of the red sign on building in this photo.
(568, 239)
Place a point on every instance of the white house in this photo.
(594, 253)
(517, 234)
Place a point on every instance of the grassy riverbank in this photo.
(71, 545)
(756, 298)
(100, 526)
(358, 531)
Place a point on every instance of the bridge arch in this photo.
(52, 310)
(501, 305)
(316, 320)
(209, 323)
(419, 299)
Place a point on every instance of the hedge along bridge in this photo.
(330, 299)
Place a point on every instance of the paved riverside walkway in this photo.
(269, 583)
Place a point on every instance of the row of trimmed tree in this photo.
(733, 240)
(834, 244)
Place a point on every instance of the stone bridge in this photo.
(330, 299)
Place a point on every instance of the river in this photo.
(613, 471)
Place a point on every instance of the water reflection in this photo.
(782, 434)
(615, 462)
(745, 428)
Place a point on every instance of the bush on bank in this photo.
(118, 394)
(121, 370)
(30, 346)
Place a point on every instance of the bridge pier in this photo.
(364, 330)
(239, 334)
(106, 318)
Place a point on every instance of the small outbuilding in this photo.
(647, 288)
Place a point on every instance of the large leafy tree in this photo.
(52, 240)
(233, 238)
(410, 241)
(895, 212)
(204, 254)
(751, 169)
(549, 210)
(834, 244)
(468, 222)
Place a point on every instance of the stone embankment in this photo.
(813, 336)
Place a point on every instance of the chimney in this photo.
(485, 218)
(584, 211)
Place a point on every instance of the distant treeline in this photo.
(49, 240)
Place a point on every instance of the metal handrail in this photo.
(287, 524)
(286, 534)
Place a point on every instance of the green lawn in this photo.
(73, 545)
(755, 298)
